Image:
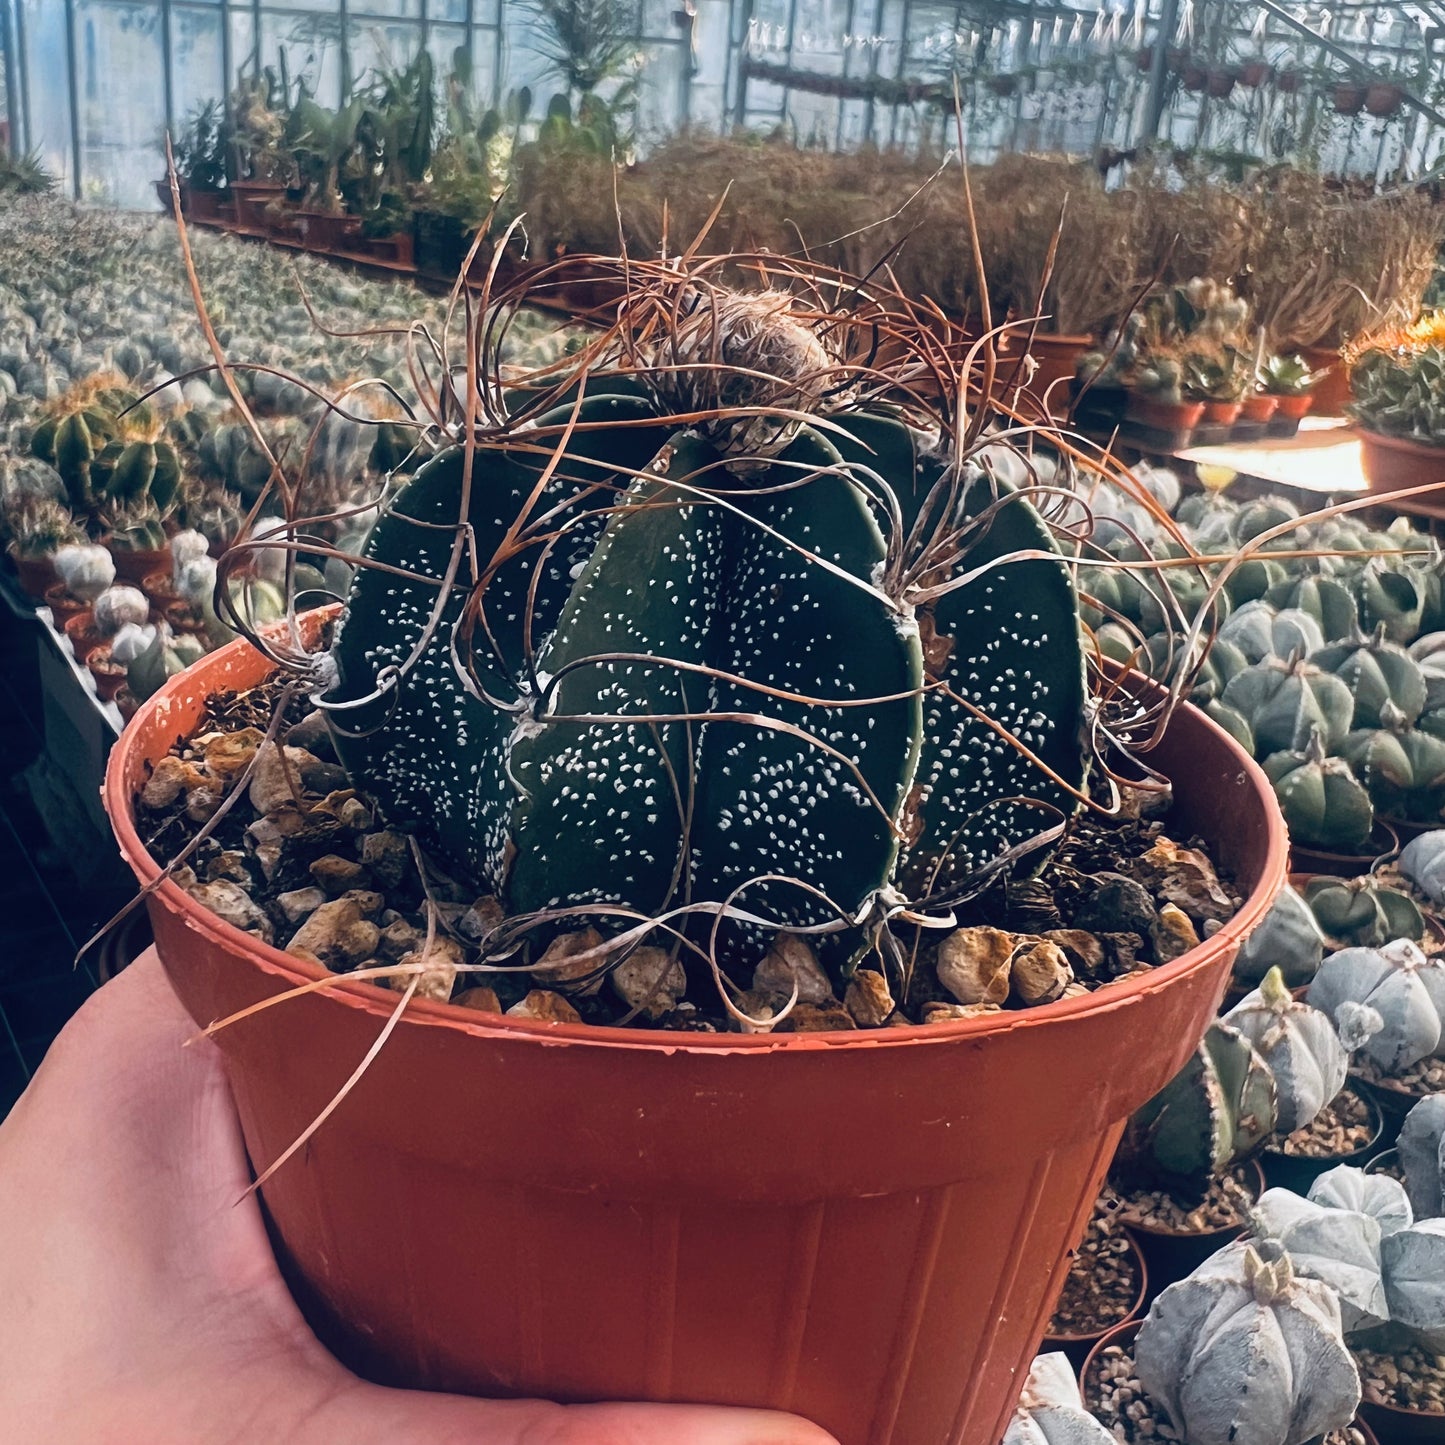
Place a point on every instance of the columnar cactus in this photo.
(1400, 984)
(695, 660)
(1244, 1352)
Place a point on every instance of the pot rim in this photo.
(1400, 444)
(1135, 1310)
(1256, 1179)
(372, 998)
(1377, 1122)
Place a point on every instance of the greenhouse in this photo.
(724, 722)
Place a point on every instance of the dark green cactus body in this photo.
(1378, 672)
(784, 726)
(1285, 703)
(1328, 601)
(1323, 802)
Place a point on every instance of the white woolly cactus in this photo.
(186, 547)
(117, 606)
(86, 571)
(131, 641)
(1300, 1046)
(1404, 987)
(1245, 1352)
(1288, 938)
(1051, 1410)
(1421, 1147)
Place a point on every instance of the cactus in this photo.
(166, 655)
(1338, 1247)
(86, 571)
(1390, 598)
(1287, 376)
(1379, 1196)
(1218, 1109)
(1260, 631)
(1404, 987)
(1233, 723)
(39, 527)
(562, 816)
(1402, 768)
(1244, 1352)
(1299, 1047)
(1288, 938)
(1362, 912)
(1421, 1146)
(1285, 702)
(1385, 680)
(136, 528)
(187, 547)
(1051, 1410)
(1327, 600)
(1323, 802)
(1413, 1261)
(117, 606)
(1422, 861)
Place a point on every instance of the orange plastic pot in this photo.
(36, 574)
(1294, 407)
(1055, 362)
(1393, 463)
(868, 1228)
(1222, 413)
(1259, 406)
(1331, 392)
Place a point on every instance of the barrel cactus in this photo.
(1051, 1410)
(1413, 1261)
(1299, 1046)
(1259, 631)
(118, 605)
(1326, 599)
(1245, 1352)
(1323, 802)
(1402, 768)
(1362, 911)
(736, 638)
(1422, 861)
(1288, 938)
(1286, 702)
(1400, 984)
(86, 571)
(1351, 1189)
(1218, 1109)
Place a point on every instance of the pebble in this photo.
(1220, 1208)
(398, 938)
(481, 998)
(1040, 974)
(313, 734)
(299, 903)
(1342, 1127)
(168, 780)
(650, 981)
(369, 902)
(1116, 904)
(202, 803)
(387, 855)
(278, 779)
(1410, 1377)
(1084, 951)
(1172, 934)
(942, 1013)
(560, 965)
(230, 903)
(482, 919)
(228, 754)
(790, 960)
(1425, 1077)
(230, 865)
(439, 965)
(869, 1000)
(546, 1007)
(337, 874)
(814, 1018)
(336, 935)
(1186, 878)
(973, 964)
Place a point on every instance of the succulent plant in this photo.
(1245, 1352)
(1413, 1261)
(1421, 1146)
(1299, 1047)
(1218, 1109)
(117, 606)
(1402, 768)
(136, 527)
(1286, 702)
(1399, 394)
(1288, 938)
(1326, 599)
(1323, 802)
(187, 547)
(1380, 674)
(1051, 1410)
(1422, 861)
(1363, 912)
(1390, 598)
(559, 816)
(38, 527)
(1259, 631)
(166, 655)
(1338, 1247)
(86, 571)
(1286, 376)
(1400, 984)
(1378, 1195)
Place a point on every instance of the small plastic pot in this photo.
(1294, 407)
(1383, 99)
(37, 574)
(1222, 413)
(109, 676)
(1165, 416)
(1259, 407)
(1255, 73)
(1286, 81)
(160, 587)
(1394, 463)
(80, 629)
(1079, 1347)
(1349, 99)
(1299, 1171)
(1331, 392)
(134, 565)
(1194, 78)
(1055, 361)
(1382, 840)
(62, 605)
(1170, 1255)
(1220, 81)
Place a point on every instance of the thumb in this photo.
(371, 1413)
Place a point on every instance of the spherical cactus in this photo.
(1338, 1247)
(1233, 723)
(118, 605)
(1390, 598)
(1422, 861)
(1403, 769)
(131, 641)
(1219, 1108)
(1244, 1352)
(163, 659)
(186, 547)
(1327, 600)
(1404, 987)
(1361, 912)
(1379, 1196)
(1299, 1046)
(1421, 1146)
(1285, 703)
(1288, 938)
(1413, 1261)
(1051, 1410)
(1260, 631)
(1323, 802)
(86, 571)
(1378, 673)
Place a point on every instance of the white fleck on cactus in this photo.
(1051, 1410)
(187, 547)
(1300, 1046)
(1414, 1264)
(1288, 938)
(86, 571)
(1421, 1147)
(1404, 987)
(1422, 861)
(1379, 1196)
(1244, 1352)
(1339, 1247)
(117, 606)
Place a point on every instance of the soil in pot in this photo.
(1178, 1225)
(1397, 1094)
(1403, 1388)
(1343, 1132)
(1106, 1286)
(62, 605)
(1114, 1396)
(160, 587)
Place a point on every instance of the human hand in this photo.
(141, 1305)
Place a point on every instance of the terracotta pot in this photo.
(1331, 392)
(1383, 99)
(1221, 413)
(1286, 81)
(135, 565)
(1144, 59)
(37, 575)
(159, 586)
(1298, 1172)
(1194, 77)
(1220, 82)
(1079, 1347)
(1349, 99)
(1165, 416)
(1055, 359)
(1403, 1427)
(1171, 1255)
(80, 629)
(1255, 73)
(758, 1219)
(1394, 463)
(1122, 1336)
(62, 605)
(1294, 407)
(252, 198)
(1382, 840)
(1259, 407)
(109, 676)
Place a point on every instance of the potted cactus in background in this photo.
(1399, 404)
(719, 758)
(37, 528)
